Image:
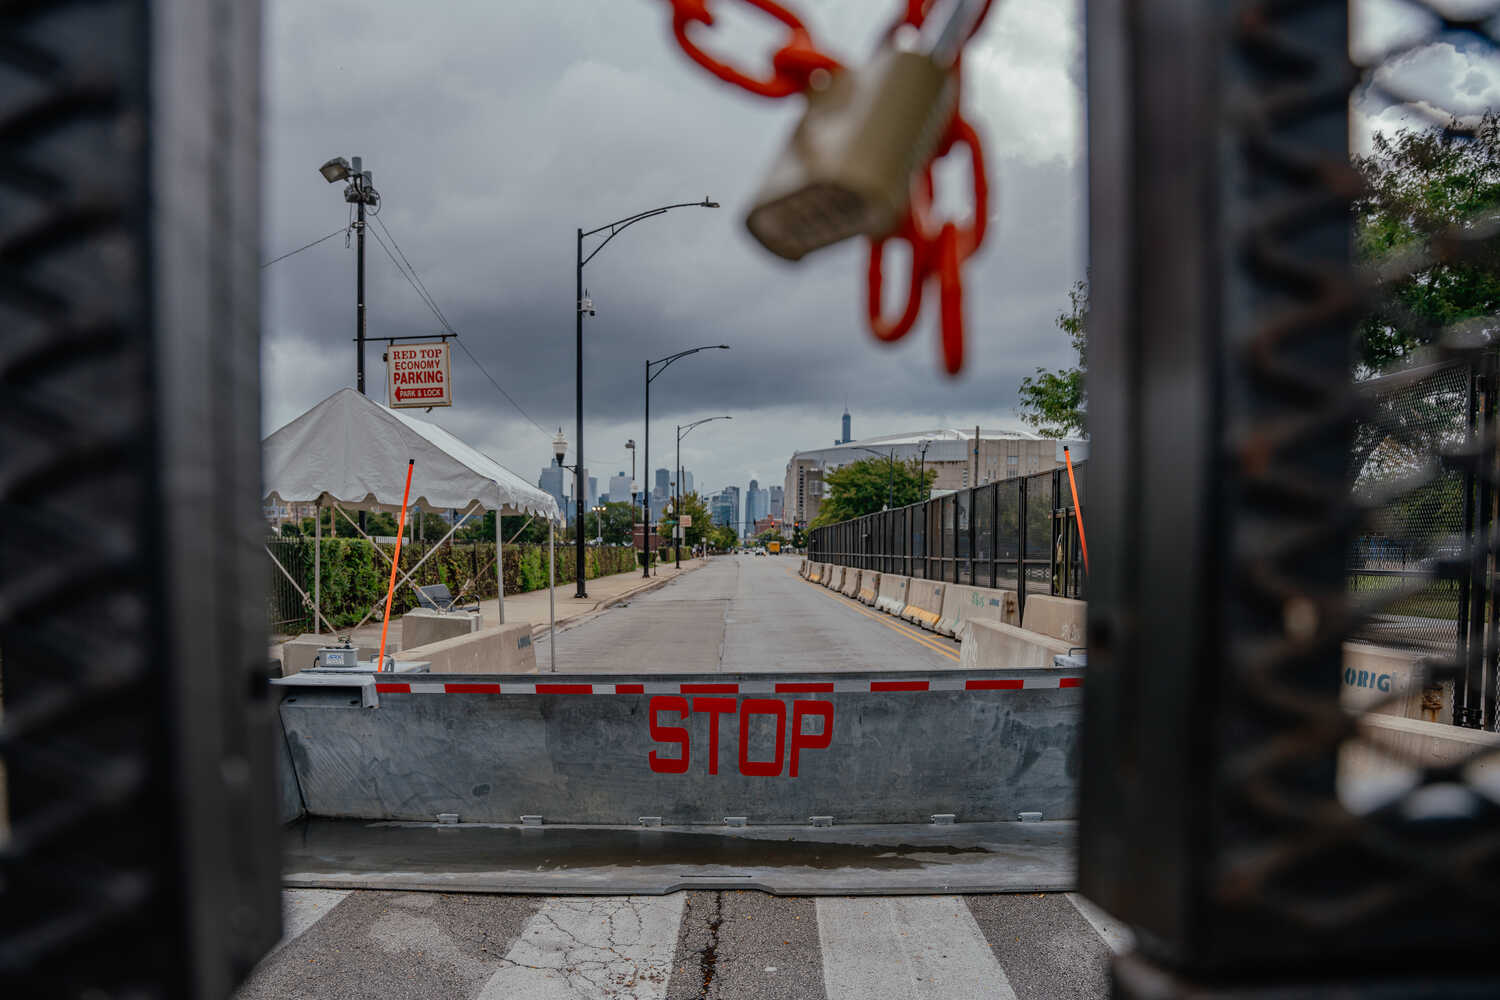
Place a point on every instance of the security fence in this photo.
(1406, 559)
(1018, 534)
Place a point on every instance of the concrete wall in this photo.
(892, 597)
(888, 757)
(1391, 682)
(297, 654)
(420, 626)
(869, 587)
(1384, 761)
(985, 644)
(924, 602)
(961, 604)
(1060, 617)
(504, 649)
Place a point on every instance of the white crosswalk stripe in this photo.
(301, 908)
(583, 948)
(906, 946)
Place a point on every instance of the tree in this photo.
(617, 521)
(799, 538)
(1056, 402)
(1419, 186)
(723, 537)
(767, 537)
(696, 508)
(865, 486)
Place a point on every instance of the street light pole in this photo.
(922, 468)
(683, 432)
(660, 367)
(360, 191)
(582, 303)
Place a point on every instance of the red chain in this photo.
(791, 65)
(936, 250)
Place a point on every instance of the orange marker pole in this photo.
(1083, 541)
(390, 591)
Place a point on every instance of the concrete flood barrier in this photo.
(984, 643)
(851, 582)
(983, 746)
(833, 579)
(869, 587)
(1060, 617)
(924, 602)
(961, 604)
(892, 596)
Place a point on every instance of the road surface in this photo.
(745, 614)
(736, 615)
(720, 944)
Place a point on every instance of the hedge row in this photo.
(355, 578)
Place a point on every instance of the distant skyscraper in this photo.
(619, 487)
(847, 438)
(554, 481)
(593, 482)
(776, 502)
(663, 477)
(755, 505)
(687, 482)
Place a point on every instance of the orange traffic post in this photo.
(1083, 541)
(390, 590)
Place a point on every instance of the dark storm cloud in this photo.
(496, 129)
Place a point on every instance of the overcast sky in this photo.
(494, 130)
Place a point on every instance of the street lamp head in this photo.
(335, 170)
(709, 204)
(560, 446)
(630, 444)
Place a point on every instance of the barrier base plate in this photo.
(603, 860)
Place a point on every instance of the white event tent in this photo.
(350, 452)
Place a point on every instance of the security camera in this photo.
(586, 304)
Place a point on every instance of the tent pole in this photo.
(500, 564)
(551, 598)
(317, 566)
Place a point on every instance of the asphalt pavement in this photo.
(702, 944)
(745, 614)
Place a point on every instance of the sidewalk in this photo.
(532, 606)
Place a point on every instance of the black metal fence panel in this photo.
(1411, 539)
(996, 535)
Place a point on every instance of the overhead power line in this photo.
(415, 281)
(307, 246)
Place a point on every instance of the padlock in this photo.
(850, 164)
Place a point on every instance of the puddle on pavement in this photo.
(360, 846)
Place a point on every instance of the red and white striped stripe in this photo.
(861, 685)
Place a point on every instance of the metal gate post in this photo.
(1222, 410)
(142, 855)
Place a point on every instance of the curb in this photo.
(606, 603)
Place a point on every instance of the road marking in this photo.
(583, 948)
(906, 946)
(1114, 933)
(858, 608)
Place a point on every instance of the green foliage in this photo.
(1418, 186)
(616, 521)
(865, 486)
(695, 507)
(799, 538)
(1055, 402)
(722, 537)
(355, 578)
